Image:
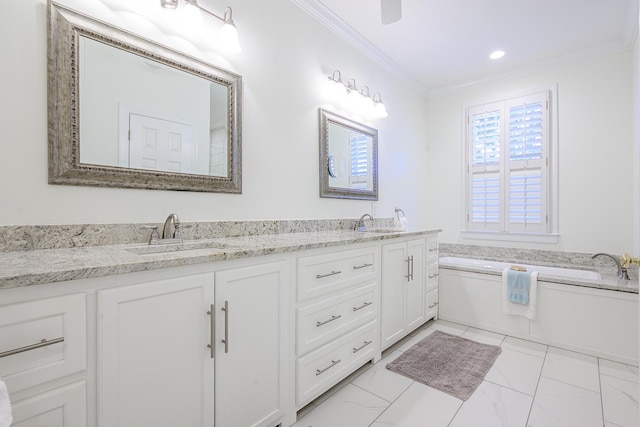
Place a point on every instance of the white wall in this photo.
(286, 58)
(596, 186)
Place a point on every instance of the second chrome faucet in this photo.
(359, 225)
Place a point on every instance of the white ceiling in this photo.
(444, 45)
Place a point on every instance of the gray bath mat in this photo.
(448, 363)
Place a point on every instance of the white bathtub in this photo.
(479, 264)
(574, 310)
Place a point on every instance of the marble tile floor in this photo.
(530, 385)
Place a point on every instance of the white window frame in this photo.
(502, 231)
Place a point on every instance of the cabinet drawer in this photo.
(432, 249)
(51, 332)
(321, 274)
(432, 276)
(328, 365)
(324, 321)
(61, 407)
(432, 301)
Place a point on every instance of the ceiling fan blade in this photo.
(391, 11)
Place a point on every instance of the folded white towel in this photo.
(508, 307)
(5, 406)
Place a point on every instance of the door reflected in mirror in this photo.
(142, 114)
(348, 158)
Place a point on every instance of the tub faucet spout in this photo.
(622, 272)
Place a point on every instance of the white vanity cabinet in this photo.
(61, 407)
(153, 364)
(402, 288)
(432, 272)
(251, 345)
(337, 306)
(43, 360)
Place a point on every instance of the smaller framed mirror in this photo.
(348, 158)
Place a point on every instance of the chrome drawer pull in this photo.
(42, 343)
(366, 304)
(358, 267)
(327, 321)
(434, 276)
(226, 326)
(431, 306)
(333, 273)
(366, 343)
(409, 262)
(433, 249)
(212, 313)
(333, 363)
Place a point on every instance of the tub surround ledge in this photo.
(572, 260)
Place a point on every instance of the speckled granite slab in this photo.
(34, 267)
(38, 237)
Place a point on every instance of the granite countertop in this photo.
(37, 267)
(608, 281)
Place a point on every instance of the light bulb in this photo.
(191, 18)
(354, 101)
(380, 110)
(228, 38)
(367, 106)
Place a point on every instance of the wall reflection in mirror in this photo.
(142, 114)
(127, 112)
(348, 158)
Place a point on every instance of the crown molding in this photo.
(330, 20)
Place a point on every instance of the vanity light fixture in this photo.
(354, 98)
(357, 101)
(367, 101)
(379, 110)
(338, 89)
(228, 33)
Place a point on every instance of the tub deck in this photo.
(568, 275)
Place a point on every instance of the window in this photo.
(508, 173)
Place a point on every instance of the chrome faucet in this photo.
(622, 272)
(359, 226)
(166, 230)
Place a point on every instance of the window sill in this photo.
(510, 237)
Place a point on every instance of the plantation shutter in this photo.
(360, 161)
(508, 165)
(526, 166)
(485, 196)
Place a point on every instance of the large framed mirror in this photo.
(127, 112)
(348, 158)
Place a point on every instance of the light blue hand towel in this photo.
(518, 284)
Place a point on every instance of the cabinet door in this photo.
(395, 269)
(414, 310)
(154, 367)
(61, 407)
(251, 335)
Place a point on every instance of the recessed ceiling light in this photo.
(497, 54)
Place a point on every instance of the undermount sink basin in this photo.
(179, 247)
(384, 230)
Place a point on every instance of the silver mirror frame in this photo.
(65, 28)
(327, 118)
